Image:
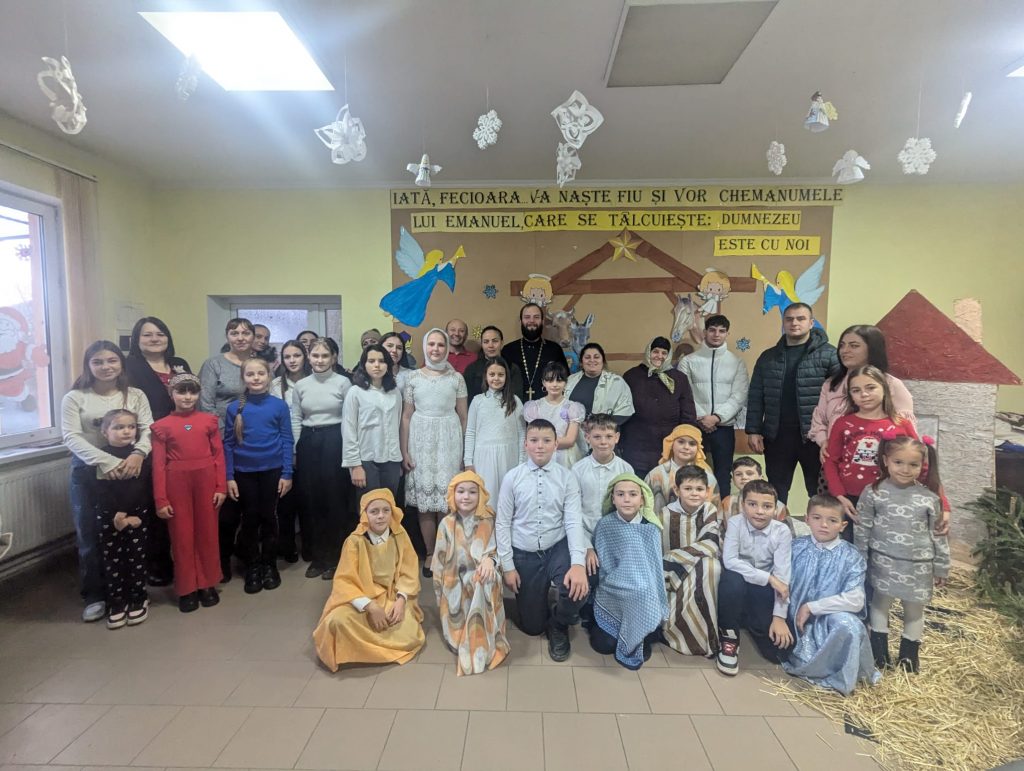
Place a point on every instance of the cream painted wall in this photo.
(270, 242)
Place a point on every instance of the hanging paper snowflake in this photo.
(847, 170)
(743, 343)
(487, 127)
(490, 291)
(345, 138)
(577, 119)
(776, 157)
(917, 155)
(188, 77)
(66, 106)
(476, 332)
(567, 163)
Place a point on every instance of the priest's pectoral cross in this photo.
(529, 393)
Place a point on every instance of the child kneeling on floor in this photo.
(372, 616)
(826, 604)
(539, 529)
(754, 590)
(629, 603)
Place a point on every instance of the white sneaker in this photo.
(729, 652)
(94, 611)
(117, 619)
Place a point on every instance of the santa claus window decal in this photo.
(27, 392)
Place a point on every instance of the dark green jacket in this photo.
(764, 399)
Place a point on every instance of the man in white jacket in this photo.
(719, 381)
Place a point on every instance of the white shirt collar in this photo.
(534, 467)
(602, 465)
(377, 540)
(634, 521)
(830, 545)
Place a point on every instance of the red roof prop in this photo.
(925, 344)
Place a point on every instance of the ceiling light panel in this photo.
(243, 51)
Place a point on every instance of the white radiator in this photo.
(34, 508)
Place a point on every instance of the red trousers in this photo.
(193, 527)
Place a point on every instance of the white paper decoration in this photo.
(66, 106)
(847, 170)
(577, 119)
(345, 137)
(917, 155)
(567, 163)
(776, 157)
(188, 78)
(962, 112)
(819, 114)
(487, 127)
(423, 170)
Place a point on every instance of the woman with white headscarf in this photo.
(433, 425)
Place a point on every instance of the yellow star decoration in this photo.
(625, 246)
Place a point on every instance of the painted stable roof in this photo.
(925, 344)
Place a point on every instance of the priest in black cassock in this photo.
(532, 352)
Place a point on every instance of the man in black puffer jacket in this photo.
(784, 391)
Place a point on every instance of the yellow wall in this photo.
(270, 242)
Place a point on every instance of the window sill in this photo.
(16, 456)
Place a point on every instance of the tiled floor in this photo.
(238, 686)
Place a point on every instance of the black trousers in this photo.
(124, 560)
(380, 475)
(748, 606)
(327, 490)
(288, 511)
(781, 456)
(537, 571)
(228, 519)
(720, 444)
(257, 495)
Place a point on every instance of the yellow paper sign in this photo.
(612, 221)
(614, 197)
(744, 246)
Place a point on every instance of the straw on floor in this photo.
(965, 710)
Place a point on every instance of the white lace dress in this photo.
(435, 437)
(494, 440)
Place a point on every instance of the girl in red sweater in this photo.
(852, 462)
(188, 488)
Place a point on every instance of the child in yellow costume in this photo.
(467, 580)
(372, 616)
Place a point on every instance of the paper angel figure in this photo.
(577, 119)
(820, 113)
(847, 170)
(567, 163)
(917, 155)
(714, 286)
(785, 290)
(537, 290)
(487, 127)
(345, 137)
(66, 106)
(408, 303)
(423, 170)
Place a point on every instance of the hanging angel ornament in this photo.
(345, 137)
(847, 170)
(487, 127)
(962, 112)
(917, 155)
(577, 119)
(776, 157)
(423, 170)
(820, 113)
(567, 163)
(66, 106)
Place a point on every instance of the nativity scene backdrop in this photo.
(617, 266)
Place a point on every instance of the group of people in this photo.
(613, 489)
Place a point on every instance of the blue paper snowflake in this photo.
(490, 291)
(743, 343)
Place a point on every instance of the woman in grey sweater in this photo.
(220, 382)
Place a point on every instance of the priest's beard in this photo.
(531, 336)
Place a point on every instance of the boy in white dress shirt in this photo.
(753, 592)
(539, 530)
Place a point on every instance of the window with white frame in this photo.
(284, 315)
(33, 320)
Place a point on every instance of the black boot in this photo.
(271, 578)
(908, 655)
(254, 578)
(880, 649)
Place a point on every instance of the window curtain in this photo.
(79, 217)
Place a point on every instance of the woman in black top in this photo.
(150, 365)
